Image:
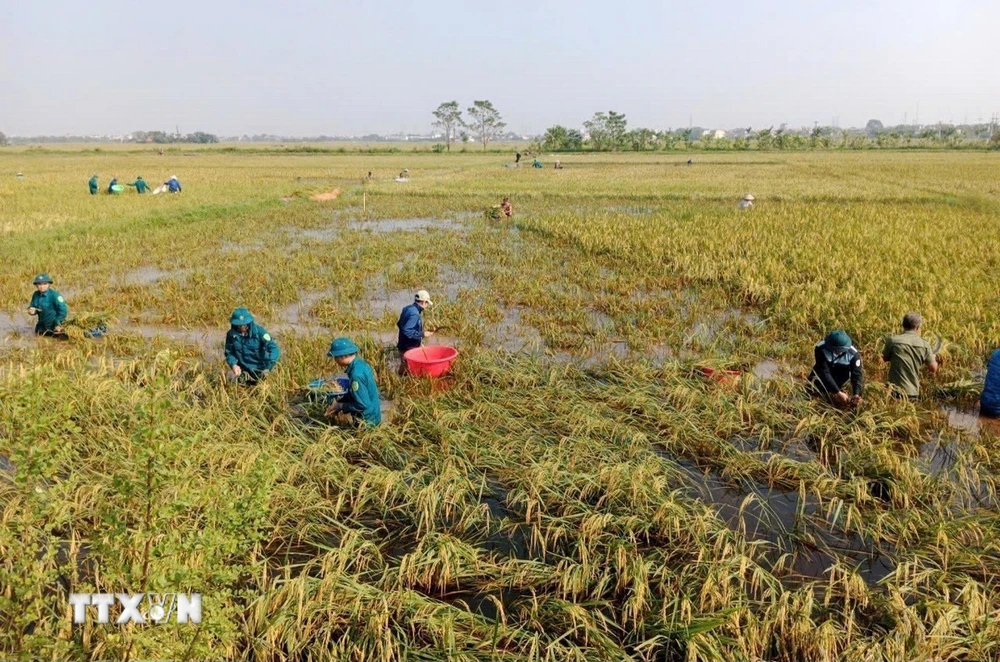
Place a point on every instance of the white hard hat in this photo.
(423, 296)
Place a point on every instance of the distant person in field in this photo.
(250, 351)
(536, 164)
(989, 400)
(362, 402)
(48, 306)
(112, 184)
(746, 202)
(139, 184)
(559, 165)
(906, 353)
(506, 208)
(837, 362)
(411, 326)
(517, 159)
(93, 185)
(173, 186)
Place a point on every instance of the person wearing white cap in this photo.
(411, 326)
(172, 184)
(746, 202)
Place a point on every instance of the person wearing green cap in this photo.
(251, 352)
(139, 184)
(93, 185)
(362, 400)
(48, 306)
(837, 362)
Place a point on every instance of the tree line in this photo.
(609, 132)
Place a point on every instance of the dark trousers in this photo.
(403, 368)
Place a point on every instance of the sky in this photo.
(352, 67)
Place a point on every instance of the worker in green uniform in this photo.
(362, 400)
(48, 306)
(140, 185)
(906, 353)
(93, 185)
(251, 352)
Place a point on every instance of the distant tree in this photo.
(201, 137)
(3, 139)
(449, 119)
(486, 121)
(607, 130)
(574, 140)
(874, 127)
(555, 138)
(641, 140)
(765, 139)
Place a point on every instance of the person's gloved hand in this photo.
(32, 311)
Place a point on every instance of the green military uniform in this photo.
(362, 400)
(256, 352)
(93, 185)
(140, 185)
(906, 353)
(50, 306)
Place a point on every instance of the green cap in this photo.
(837, 339)
(240, 317)
(342, 347)
(42, 278)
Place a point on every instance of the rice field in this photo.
(576, 489)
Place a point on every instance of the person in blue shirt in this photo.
(111, 185)
(173, 186)
(411, 326)
(250, 350)
(989, 401)
(93, 185)
(362, 401)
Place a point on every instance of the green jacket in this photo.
(363, 399)
(140, 185)
(256, 351)
(52, 310)
(93, 185)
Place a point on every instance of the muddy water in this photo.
(970, 422)
(209, 341)
(513, 334)
(298, 315)
(149, 275)
(768, 370)
(787, 521)
(406, 225)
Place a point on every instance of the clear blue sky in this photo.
(357, 66)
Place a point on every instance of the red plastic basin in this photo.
(431, 361)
